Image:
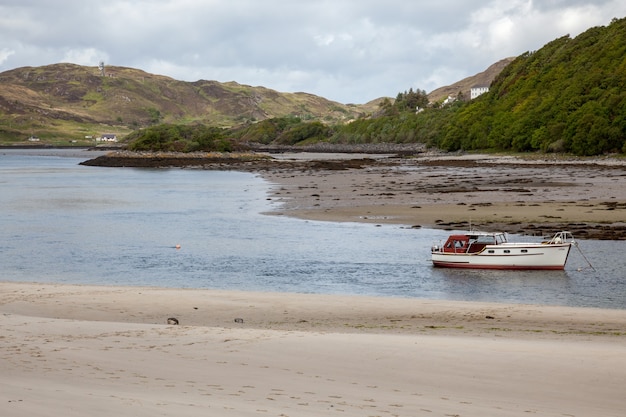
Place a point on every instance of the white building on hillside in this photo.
(478, 90)
(449, 100)
(107, 137)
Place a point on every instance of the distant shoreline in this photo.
(41, 147)
(537, 195)
(534, 194)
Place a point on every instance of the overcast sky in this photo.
(350, 51)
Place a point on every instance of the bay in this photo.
(61, 222)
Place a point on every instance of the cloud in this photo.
(5, 54)
(345, 50)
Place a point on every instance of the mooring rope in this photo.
(583, 255)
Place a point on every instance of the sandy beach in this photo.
(101, 351)
(76, 350)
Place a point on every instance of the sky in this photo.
(350, 51)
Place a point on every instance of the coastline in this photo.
(532, 195)
(101, 351)
(353, 314)
(105, 350)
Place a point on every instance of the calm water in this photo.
(65, 223)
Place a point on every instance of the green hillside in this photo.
(569, 96)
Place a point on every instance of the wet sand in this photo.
(526, 196)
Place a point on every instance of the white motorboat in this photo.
(480, 250)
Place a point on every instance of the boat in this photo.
(481, 250)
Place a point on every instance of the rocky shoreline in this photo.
(526, 196)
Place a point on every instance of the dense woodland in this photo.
(569, 96)
(180, 138)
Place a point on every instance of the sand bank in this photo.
(516, 195)
(102, 351)
(536, 194)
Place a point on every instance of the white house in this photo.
(107, 137)
(449, 100)
(478, 90)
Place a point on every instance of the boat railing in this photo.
(561, 237)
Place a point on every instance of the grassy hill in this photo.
(65, 102)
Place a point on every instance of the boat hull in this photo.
(507, 256)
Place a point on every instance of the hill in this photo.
(464, 86)
(64, 102)
(568, 96)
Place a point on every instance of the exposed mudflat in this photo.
(528, 196)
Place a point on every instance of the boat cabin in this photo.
(472, 243)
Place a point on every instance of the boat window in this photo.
(524, 250)
(507, 251)
(487, 240)
(490, 251)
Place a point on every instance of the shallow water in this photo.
(66, 223)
